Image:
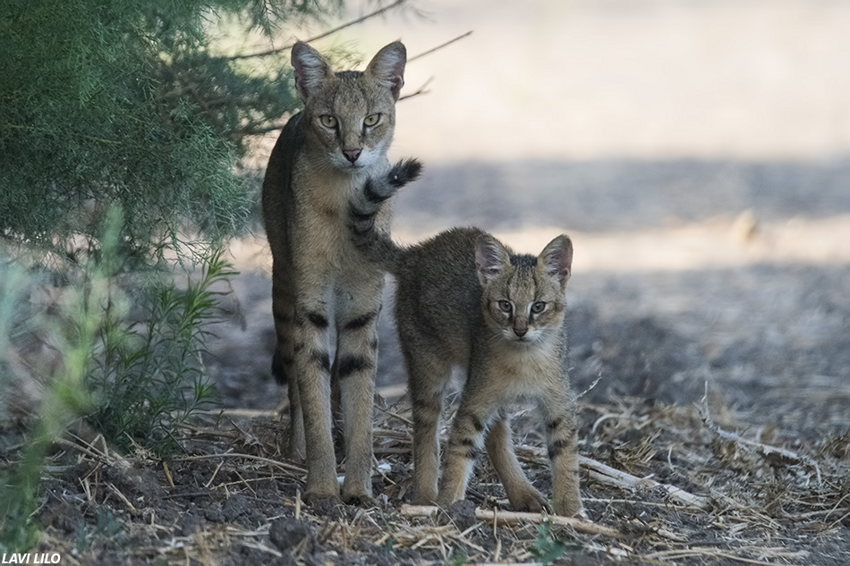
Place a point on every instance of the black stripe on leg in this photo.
(421, 420)
(360, 321)
(322, 359)
(476, 422)
(556, 447)
(471, 451)
(317, 319)
(552, 425)
(351, 364)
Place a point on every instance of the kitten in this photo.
(464, 299)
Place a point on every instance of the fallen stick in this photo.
(611, 476)
(514, 518)
(768, 452)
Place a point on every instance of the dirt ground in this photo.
(709, 319)
(713, 340)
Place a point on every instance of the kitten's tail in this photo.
(377, 246)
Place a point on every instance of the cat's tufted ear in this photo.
(490, 258)
(387, 67)
(557, 259)
(310, 69)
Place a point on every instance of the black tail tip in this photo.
(404, 172)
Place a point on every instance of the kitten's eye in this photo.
(327, 121)
(372, 120)
(505, 306)
(538, 307)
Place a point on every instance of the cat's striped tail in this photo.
(375, 245)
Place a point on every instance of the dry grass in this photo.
(662, 485)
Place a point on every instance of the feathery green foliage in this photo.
(135, 382)
(121, 130)
(124, 102)
(148, 382)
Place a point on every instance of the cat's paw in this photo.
(322, 503)
(404, 172)
(360, 500)
(569, 507)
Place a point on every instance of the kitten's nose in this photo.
(520, 331)
(351, 154)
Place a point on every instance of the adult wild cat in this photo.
(324, 152)
(464, 299)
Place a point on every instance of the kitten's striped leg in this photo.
(466, 442)
(500, 449)
(559, 413)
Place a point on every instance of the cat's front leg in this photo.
(558, 408)
(312, 370)
(500, 449)
(355, 365)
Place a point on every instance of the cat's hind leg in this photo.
(283, 362)
(427, 378)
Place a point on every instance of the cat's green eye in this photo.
(372, 120)
(538, 307)
(327, 121)
(505, 306)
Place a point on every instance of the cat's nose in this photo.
(520, 332)
(351, 154)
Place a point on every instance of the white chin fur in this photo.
(366, 160)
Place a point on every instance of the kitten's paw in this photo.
(404, 172)
(424, 499)
(531, 501)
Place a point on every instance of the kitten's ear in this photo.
(490, 257)
(387, 67)
(557, 259)
(310, 68)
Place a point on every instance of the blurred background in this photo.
(695, 151)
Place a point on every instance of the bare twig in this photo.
(422, 90)
(512, 518)
(433, 49)
(768, 452)
(121, 496)
(361, 19)
(282, 465)
(168, 474)
(614, 477)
